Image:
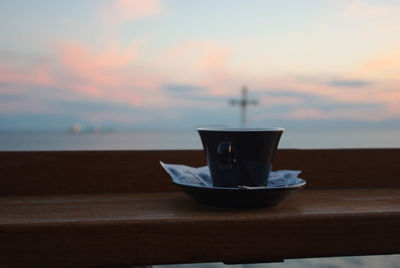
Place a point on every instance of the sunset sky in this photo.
(154, 63)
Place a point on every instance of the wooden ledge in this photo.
(29, 212)
(74, 172)
(157, 228)
(144, 219)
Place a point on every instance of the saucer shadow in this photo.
(238, 197)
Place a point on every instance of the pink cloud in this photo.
(202, 62)
(122, 74)
(363, 9)
(120, 11)
(199, 55)
(96, 66)
(384, 70)
(386, 66)
(109, 74)
(306, 113)
(39, 75)
(215, 59)
(285, 100)
(373, 101)
(211, 64)
(88, 89)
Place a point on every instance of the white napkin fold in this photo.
(201, 176)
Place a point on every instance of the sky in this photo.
(177, 63)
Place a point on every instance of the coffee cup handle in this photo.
(226, 155)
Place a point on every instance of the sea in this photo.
(165, 139)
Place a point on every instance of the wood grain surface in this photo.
(99, 230)
(73, 172)
(119, 208)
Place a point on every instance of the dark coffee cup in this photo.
(240, 157)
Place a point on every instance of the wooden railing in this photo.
(119, 208)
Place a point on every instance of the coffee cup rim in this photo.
(225, 129)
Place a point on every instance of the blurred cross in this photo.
(243, 102)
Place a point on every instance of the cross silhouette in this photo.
(243, 102)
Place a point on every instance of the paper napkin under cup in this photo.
(200, 176)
